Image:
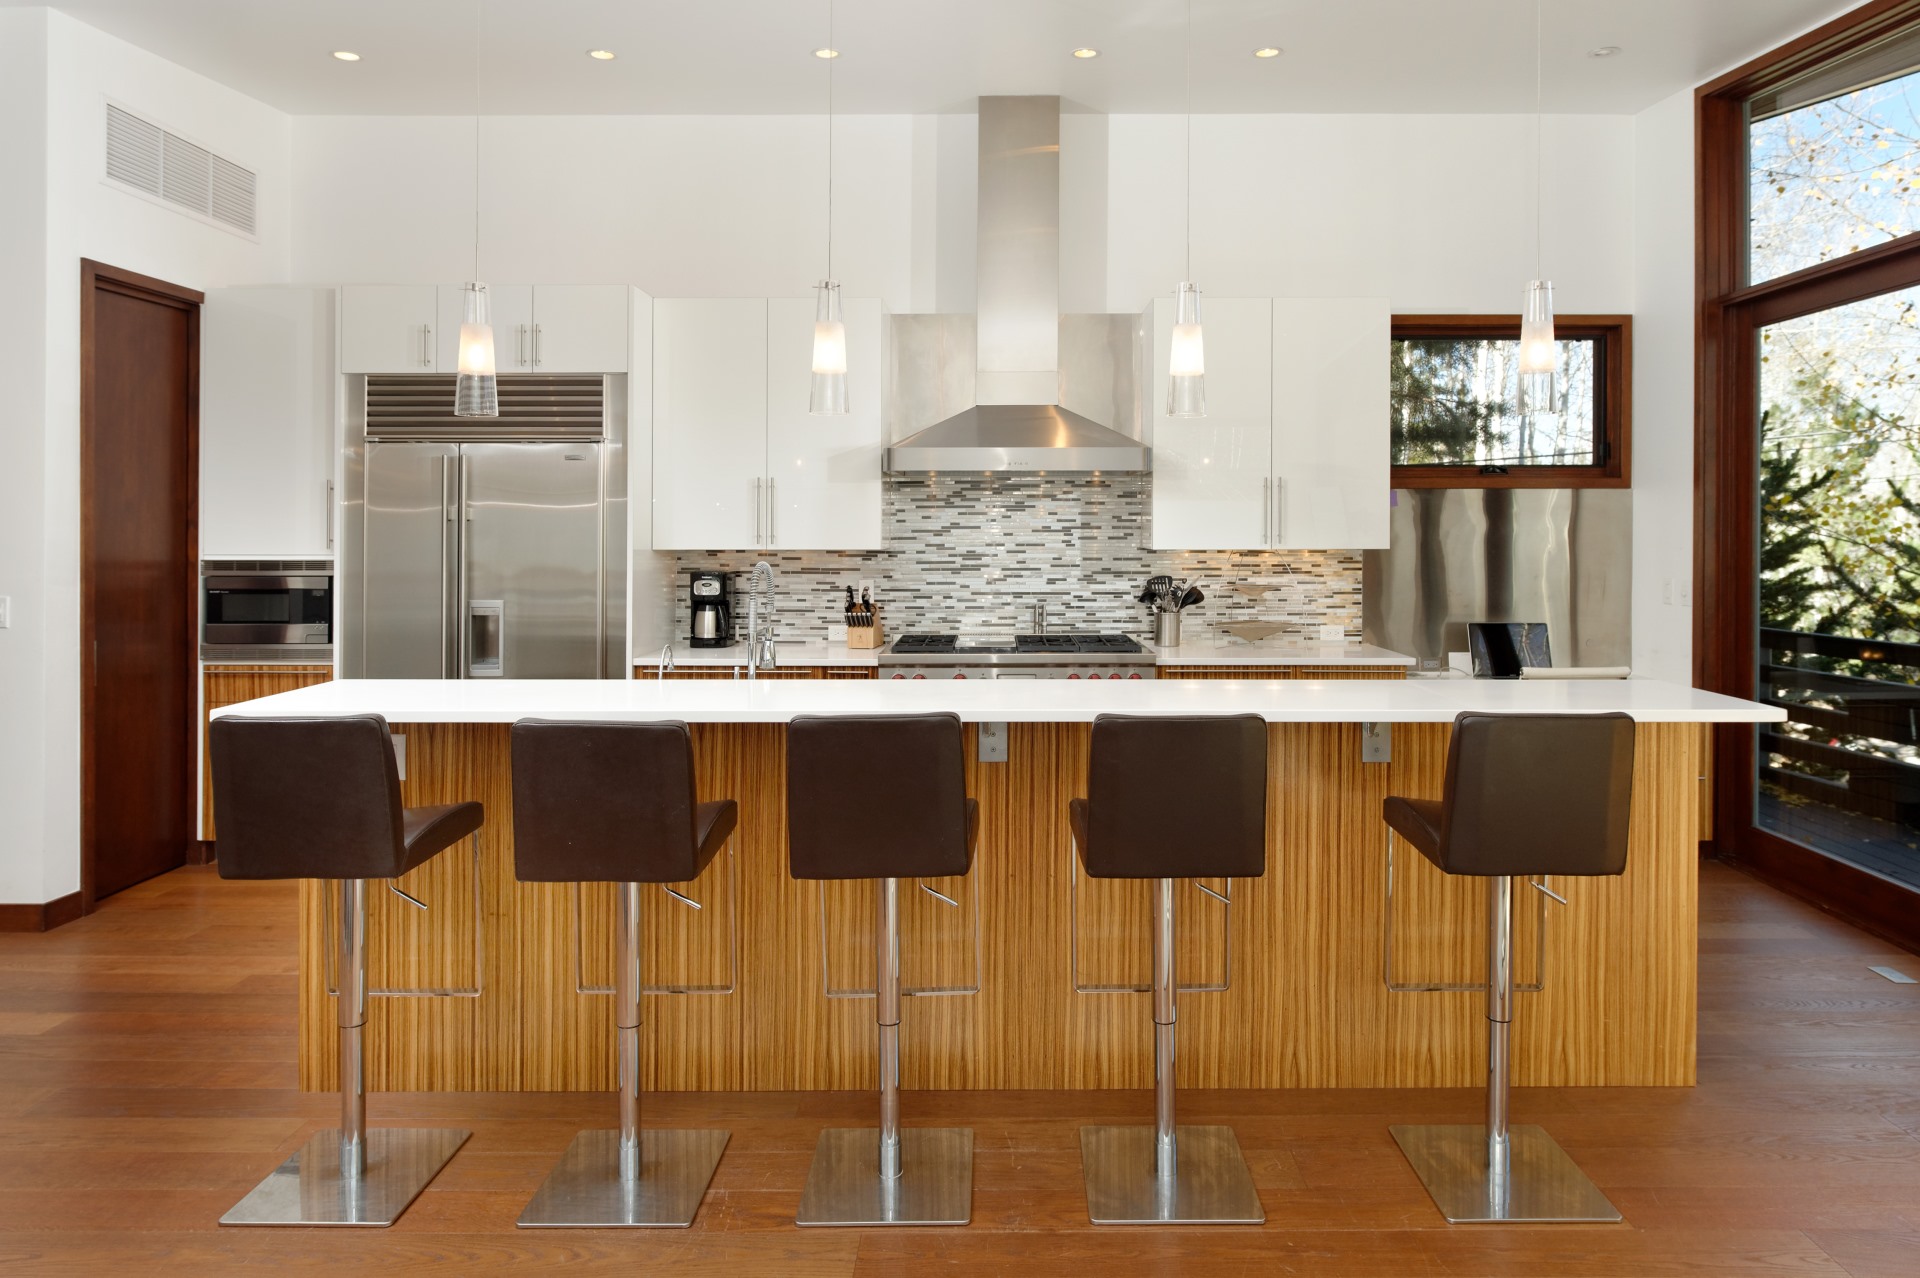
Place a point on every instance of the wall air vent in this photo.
(143, 157)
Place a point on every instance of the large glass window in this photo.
(1834, 160)
(1839, 589)
(1454, 404)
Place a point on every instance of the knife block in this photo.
(866, 636)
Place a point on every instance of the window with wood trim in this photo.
(1456, 416)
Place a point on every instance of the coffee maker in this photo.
(712, 610)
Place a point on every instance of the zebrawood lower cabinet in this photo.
(229, 685)
(1307, 1007)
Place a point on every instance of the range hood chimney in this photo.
(1017, 422)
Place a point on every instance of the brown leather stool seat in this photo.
(1525, 795)
(883, 797)
(617, 803)
(319, 798)
(1171, 797)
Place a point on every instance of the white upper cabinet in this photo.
(1212, 475)
(545, 328)
(1293, 451)
(738, 461)
(267, 394)
(823, 473)
(1331, 422)
(709, 423)
(391, 328)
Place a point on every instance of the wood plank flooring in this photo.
(147, 1080)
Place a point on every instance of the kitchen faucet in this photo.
(760, 650)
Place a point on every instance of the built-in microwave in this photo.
(291, 612)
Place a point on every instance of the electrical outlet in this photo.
(836, 634)
(1332, 634)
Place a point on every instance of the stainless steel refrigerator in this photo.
(484, 547)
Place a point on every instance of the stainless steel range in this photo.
(1063, 656)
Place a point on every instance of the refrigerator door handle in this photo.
(464, 531)
(446, 587)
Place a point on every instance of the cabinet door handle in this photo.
(536, 346)
(328, 509)
(770, 510)
(519, 345)
(1279, 512)
(1266, 511)
(756, 512)
(426, 346)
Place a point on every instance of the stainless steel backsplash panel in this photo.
(1559, 555)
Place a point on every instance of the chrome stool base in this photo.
(1543, 1184)
(934, 1187)
(1210, 1185)
(308, 1189)
(585, 1191)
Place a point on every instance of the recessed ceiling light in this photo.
(1268, 52)
(826, 53)
(602, 55)
(346, 56)
(1604, 51)
(1086, 53)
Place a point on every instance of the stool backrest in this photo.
(306, 798)
(876, 797)
(1177, 797)
(1537, 794)
(603, 802)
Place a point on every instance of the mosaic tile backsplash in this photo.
(974, 554)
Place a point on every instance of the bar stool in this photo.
(1526, 794)
(319, 798)
(615, 803)
(883, 797)
(1167, 797)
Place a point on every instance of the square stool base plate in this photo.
(935, 1185)
(585, 1191)
(1543, 1184)
(1210, 1186)
(307, 1189)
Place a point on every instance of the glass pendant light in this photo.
(476, 390)
(1539, 353)
(1187, 358)
(829, 394)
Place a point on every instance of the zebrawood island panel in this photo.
(1307, 1006)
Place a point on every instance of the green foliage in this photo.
(1438, 419)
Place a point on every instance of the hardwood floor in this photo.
(147, 1080)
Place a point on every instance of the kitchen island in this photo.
(1306, 1002)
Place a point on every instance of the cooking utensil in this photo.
(1157, 588)
(1190, 597)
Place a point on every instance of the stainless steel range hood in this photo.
(1017, 422)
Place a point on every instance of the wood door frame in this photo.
(94, 276)
(1731, 311)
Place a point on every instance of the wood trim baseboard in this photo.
(200, 852)
(40, 918)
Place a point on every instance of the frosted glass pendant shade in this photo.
(475, 392)
(829, 352)
(1539, 353)
(1187, 358)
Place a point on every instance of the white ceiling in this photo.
(753, 56)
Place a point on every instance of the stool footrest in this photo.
(1210, 1186)
(1543, 1184)
(308, 1189)
(585, 1191)
(934, 1187)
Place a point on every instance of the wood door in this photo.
(139, 480)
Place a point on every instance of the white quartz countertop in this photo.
(996, 701)
(1269, 652)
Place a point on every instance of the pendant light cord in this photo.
(1189, 79)
(479, 17)
(830, 61)
(1539, 150)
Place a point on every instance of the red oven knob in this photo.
(1073, 676)
(1133, 676)
(919, 676)
(959, 674)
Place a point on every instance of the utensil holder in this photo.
(1166, 629)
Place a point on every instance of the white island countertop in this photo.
(997, 701)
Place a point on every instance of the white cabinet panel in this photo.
(709, 423)
(512, 310)
(824, 471)
(267, 390)
(389, 328)
(1330, 422)
(1211, 474)
(580, 328)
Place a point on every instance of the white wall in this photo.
(681, 206)
(1435, 213)
(79, 67)
(23, 509)
(1663, 398)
